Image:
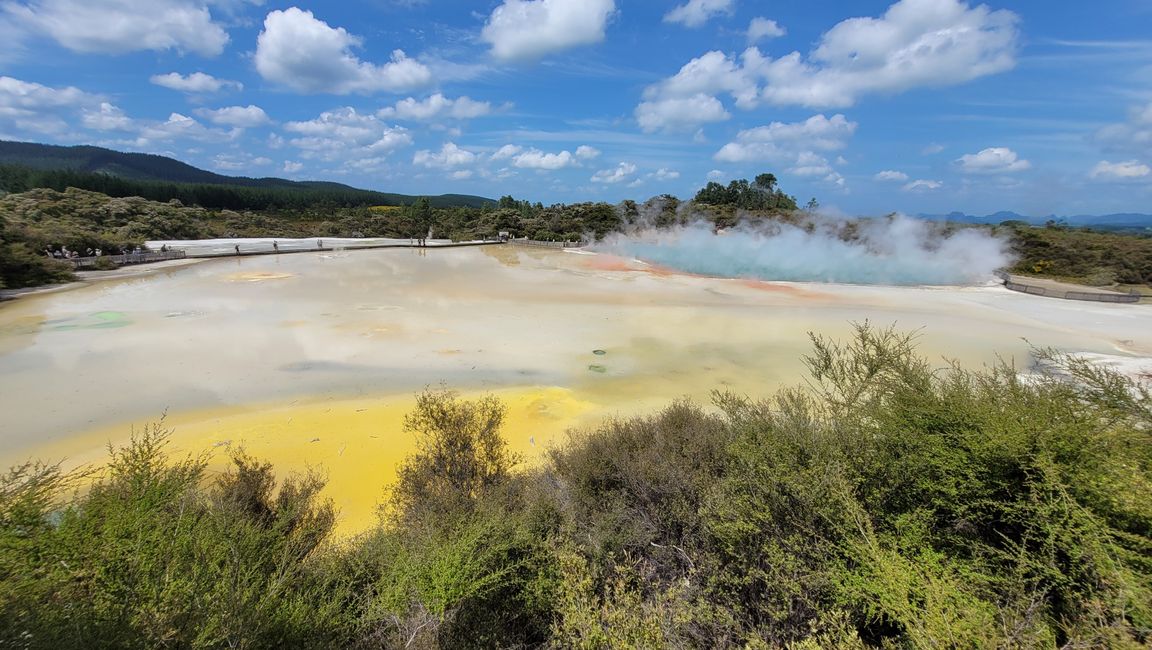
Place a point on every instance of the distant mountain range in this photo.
(150, 167)
(1107, 221)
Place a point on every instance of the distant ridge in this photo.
(1115, 220)
(162, 169)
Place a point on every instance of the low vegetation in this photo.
(889, 502)
(1081, 255)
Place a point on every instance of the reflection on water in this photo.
(257, 276)
(100, 320)
(17, 332)
(279, 350)
(506, 255)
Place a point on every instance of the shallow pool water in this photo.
(313, 358)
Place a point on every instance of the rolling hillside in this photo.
(152, 170)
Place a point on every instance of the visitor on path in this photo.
(237, 249)
(275, 246)
(319, 243)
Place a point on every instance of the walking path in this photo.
(275, 245)
(1066, 290)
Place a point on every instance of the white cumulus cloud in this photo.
(619, 174)
(244, 117)
(679, 113)
(197, 82)
(507, 151)
(783, 140)
(712, 73)
(916, 43)
(449, 155)
(536, 159)
(301, 52)
(179, 127)
(345, 133)
(29, 95)
(922, 186)
(761, 28)
(1133, 136)
(29, 106)
(107, 118)
(436, 106)
(530, 29)
(891, 175)
(809, 163)
(1120, 171)
(993, 160)
(584, 152)
(695, 13)
(121, 26)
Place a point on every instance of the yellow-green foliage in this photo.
(21, 267)
(155, 554)
(1098, 258)
(888, 503)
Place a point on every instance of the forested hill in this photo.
(27, 165)
(136, 166)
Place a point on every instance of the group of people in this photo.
(276, 246)
(63, 253)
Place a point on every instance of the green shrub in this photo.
(153, 556)
(459, 559)
(20, 267)
(104, 264)
(887, 503)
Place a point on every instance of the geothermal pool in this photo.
(312, 359)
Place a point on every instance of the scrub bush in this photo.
(890, 502)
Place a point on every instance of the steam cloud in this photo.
(896, 250)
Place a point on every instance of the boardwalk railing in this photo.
(547, 244)
(1051, 292)
(181, 250)
(143, 257)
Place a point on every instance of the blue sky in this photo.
(919, 105)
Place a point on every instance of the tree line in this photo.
(760, 194)
(263, 194)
